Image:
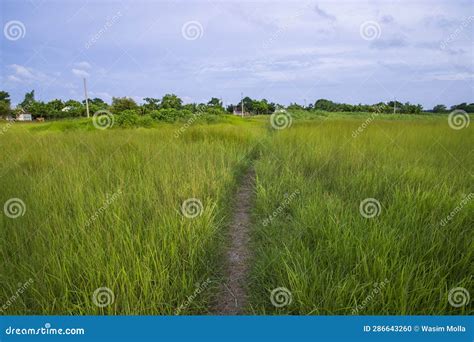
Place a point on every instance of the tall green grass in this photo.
(332, 260)
(103, 209)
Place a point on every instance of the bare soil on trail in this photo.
(232, 298)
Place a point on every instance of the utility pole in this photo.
(305, 103)
(242, 103)
(394, 105)
(85, 94)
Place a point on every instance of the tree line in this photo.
(170, 107)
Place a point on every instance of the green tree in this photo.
(216, 103)
(120, 104)
(469, 108)
(74, 109)
(171, 101)
(38, 109)
(295, 106)
(326, 105)
(54, 109)
(440, 108)
(4, 96)
(260, 107)
(5, 109)
(28, 100)
(150, 104)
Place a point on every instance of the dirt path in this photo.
(232, 298)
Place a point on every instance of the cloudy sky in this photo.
(348, 51)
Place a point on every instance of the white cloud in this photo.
(26, 75)
(22, 71)
(80, 73)
(14, 78)
(82, 65)
(460, 76)
(102, 95)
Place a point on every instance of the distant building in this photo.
(238, 111)
(24, 117)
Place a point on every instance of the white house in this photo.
(24, 117)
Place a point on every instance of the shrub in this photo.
(215, 111)
(170, 114)
(127, 118)
(145, 121)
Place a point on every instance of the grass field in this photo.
(103, 209)
(334, 260)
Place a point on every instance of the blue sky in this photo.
(346, 51)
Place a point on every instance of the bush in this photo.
(214, 111)
(170, 114)
(127, 118)
(145, 121)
